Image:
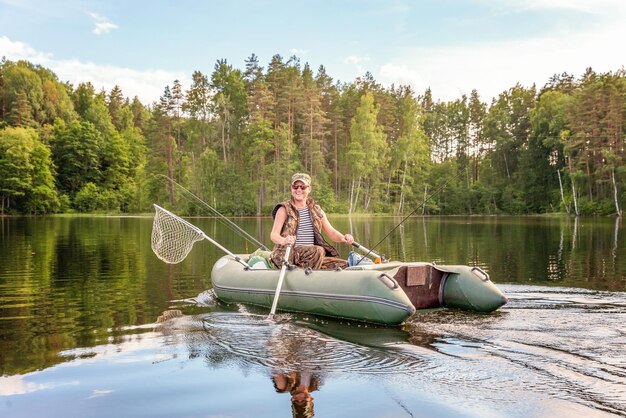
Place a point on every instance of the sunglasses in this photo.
(299, 186)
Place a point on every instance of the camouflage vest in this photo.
(291, 226)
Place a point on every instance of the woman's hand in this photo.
(348, 239)
(289, 240)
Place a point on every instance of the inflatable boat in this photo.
(386, 293)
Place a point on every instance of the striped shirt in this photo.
(304, 233)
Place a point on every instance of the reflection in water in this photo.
(549, 352)
(290, 356)
(299, 385)
(550, 349)
(575, 234)
(297, 354)
(618, 219)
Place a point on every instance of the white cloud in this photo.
(148, 85)
(18, 385)
(357, 69)
(97, 393)
(297, 51)
(20, 50)
(103, 25)
(402, 75)
(494, 67)
(354, 59)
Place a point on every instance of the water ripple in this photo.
(254, 340)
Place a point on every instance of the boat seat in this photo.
(421, 284)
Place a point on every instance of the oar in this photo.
(283, 270)
(377, 259)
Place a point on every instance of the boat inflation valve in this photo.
(308, 271)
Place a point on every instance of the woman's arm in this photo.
(333, 234)
(279, 221)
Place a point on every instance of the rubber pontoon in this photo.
(385, 293)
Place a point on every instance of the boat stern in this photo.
(470, 288)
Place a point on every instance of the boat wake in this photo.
(566, 343)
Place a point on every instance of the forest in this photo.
(236, 136)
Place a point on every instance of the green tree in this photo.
(258, 149)
(367, 143)
(131, 193)
(22, 94)
(347, 104)
(313, 119)
(161, 148)
(478, 111)
(542, 160)
(229, 104)
(82, 98)
(410, 154)
(198, 106)
(329, 103)
(285, 85)
(594, 146)
(76, 154)
(139, 113)
(116, 108)
(26, 173)
(507, 129)
(436, 126)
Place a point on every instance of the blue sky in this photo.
(451, 46)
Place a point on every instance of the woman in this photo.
(299, 222)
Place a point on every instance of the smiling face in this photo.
(299, 193)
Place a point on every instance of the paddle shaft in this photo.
(221, 247)
(283, 270)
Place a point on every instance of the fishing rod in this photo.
(377, 258)
(426, 199)
(233, 226)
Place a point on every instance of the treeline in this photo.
(235, 137)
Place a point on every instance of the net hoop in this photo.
(172, 237)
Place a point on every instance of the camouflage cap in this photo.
(304, 178)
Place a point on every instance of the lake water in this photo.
(92, 324)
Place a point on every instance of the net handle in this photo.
(201, 233)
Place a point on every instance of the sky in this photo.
(449, 46)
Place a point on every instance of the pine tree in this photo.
(198, 105)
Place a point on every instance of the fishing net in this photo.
(173, 237)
